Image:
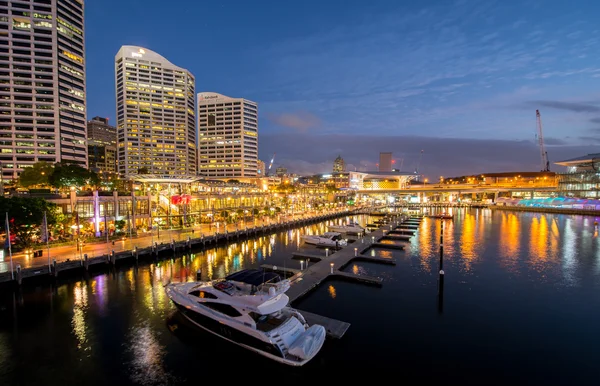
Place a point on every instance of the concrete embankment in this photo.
(582, 212)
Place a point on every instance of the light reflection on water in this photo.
(146, 366)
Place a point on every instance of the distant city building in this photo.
(42, 84)
(339, 166)
(582, 177)
(281, 171)
(228, 136)
(102, 157)
(260, 168)
(156, 110)
(385, 162)
(98, 129)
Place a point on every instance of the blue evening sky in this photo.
(460, 80)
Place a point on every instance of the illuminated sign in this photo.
(138, 54)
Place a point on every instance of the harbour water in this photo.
(521, 306)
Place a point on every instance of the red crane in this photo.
(540, 138)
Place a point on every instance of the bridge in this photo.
(463, 188)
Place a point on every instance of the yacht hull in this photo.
(237, 337)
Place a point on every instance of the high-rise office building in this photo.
(42, 84)
(385, 162)
(156, 125)
(339, 165)
(102, 146)
(228, 136)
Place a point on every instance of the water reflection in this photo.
(78, 322)
(510, 241)
(146, 366)
(331, 290)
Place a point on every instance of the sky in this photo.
(460, 80)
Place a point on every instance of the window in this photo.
(223, 308)
(202, 294)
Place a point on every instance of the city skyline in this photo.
(360, 79)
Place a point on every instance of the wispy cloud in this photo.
(301, 121)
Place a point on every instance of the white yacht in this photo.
(250, 308)
(351, 228)
(327, 239)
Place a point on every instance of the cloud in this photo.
(554, 141)
(590, 139)
(578, 107)
(595, 120)
(300, 121)
(307, 154)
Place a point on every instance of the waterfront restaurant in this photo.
(380, 181)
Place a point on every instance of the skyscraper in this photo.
(102, 146)
(385, 162)
(339, 165)
(228, 136)
(156, 126)
(42, 84)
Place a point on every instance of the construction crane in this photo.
(540, 138)
(271, 164)
(419, 163)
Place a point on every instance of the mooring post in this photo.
(173, 244)
(54, 268)
(19, 275)
(85, 261)
(113, 257)
(136, 253)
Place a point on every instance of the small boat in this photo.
(327, 239)
(351, 227)
(250, 308)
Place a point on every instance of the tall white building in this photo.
(156, 125)
(228, 136)
(42, 84)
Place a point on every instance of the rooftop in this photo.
(589, 158)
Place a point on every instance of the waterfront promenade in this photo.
(68, 258)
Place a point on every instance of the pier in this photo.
(331, 267)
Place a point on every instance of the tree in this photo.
(38, 174)
(25, 217)
(70, 175)
(120, 225)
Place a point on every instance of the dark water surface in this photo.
(521, 306)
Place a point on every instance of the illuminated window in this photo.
(73, 57)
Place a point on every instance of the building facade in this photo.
(156, 125)
(228, 136)
(339, 166)
(102, 146)
(42, 84)
(581, 178)
(98, 129)
(260, 168)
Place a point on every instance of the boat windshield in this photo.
(269, 322)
